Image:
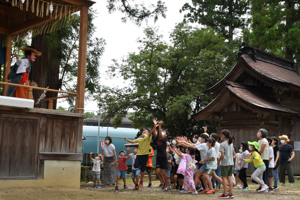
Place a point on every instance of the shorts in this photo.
(148, 169)
(270, 173)
(122, 174)
(96, 175)
(203, 167)
(168, 172)
(226, 170)
(162, 163)
(210, 171)
(236, 171)
(135, 172)
(141, 162)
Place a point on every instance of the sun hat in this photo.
(255, 144)
(284, 137)
(31, 48)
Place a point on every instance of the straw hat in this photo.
(31, 48)
(284, 137)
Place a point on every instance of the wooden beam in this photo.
(7, 62)
(80, 2)
(33, 23)
(3, 31)
(37, 88)
(61, 156)
(82, 59)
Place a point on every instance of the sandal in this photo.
(165, 189)
(162, 185)
(116, 188)
(125, 187)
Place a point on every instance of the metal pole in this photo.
(107, 128)
(98, 139)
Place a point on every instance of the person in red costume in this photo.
(19, 73)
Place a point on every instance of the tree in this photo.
(224, 16)
(275, 28)
(57, 67)
(167, 81)
(137, 12)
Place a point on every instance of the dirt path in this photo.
(107, 192)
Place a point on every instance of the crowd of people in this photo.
(201, 165)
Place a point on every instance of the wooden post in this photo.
(82, 59)
(7, 62)
(50, 104)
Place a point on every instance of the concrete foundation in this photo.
(56, 174)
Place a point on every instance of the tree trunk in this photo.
(290, 20)
(45, 70)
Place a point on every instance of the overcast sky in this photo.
(121, 38)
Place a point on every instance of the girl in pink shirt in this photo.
(122, 169)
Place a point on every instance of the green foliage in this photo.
(224, 16)
(275, 28)
(167, 81)
(89, 115)
(66, 41)
(137, 12)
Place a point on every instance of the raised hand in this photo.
(125, 139)
(205, 129)
(128, 149)
(91, 153)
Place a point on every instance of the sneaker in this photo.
(177, 187)
(150, 184)
(275, 188)
(235, 187)
(194, 192)
(94, 186)
(200, 189)
(223, 196)
(270, 189)
(162, 185)
(141, 184)
(136, 188)
(258, 189)
(125, 187)
(98, 186)
(241, 187)
(166, 189)
(203, 192)
(292, 184)
(245, 189)
(231, 195)
(210, 192)
(183, 191)
(116, 188)
(264, 188)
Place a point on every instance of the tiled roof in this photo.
(273, 71)
(245, 94)
(251, 96)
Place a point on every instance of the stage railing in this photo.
(30, 88)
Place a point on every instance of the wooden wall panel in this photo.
(73, 134)
(7, 126)
(57, 135)
(27, 138)
(48, 135)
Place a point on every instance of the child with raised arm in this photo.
(135, 172)
(122, 169)
(144, 150)
(96, 168)
(186, 168)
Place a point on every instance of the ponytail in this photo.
(229, 140)
(226, 133)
